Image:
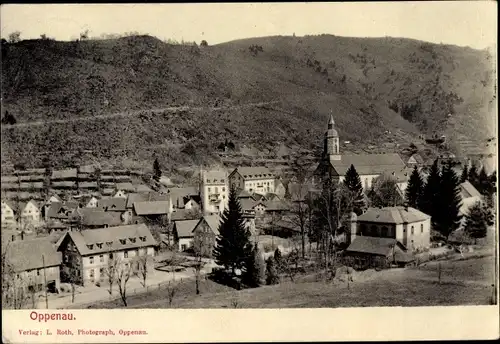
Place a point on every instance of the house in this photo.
(9, 213)
(415, 160)
(88, 254)
(184, 214)
(284, 228)
(469, 195)
(407, 225)
(61, 211)
(214, 191)
(54, 198)
(35, 261)
(153, 210)
(123, 189)
(183, 233)
(185, 197)
(365, 251)
(253, 179)
(117, 204)
(89, 218)
(205, 234)
(334, 165)
(91, 202)
(30, 214)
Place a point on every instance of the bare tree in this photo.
(143, 268)
(14, 286)
(110, 272)
(84, 35)
(123, 273)
(199, 250)
(171, 292)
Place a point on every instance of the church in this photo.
(369, 166)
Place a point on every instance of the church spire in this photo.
(331, 122)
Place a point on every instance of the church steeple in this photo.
(332, 141)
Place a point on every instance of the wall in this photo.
(30, 215)
(260, 186)
(421, 237)
(366, 180)
(237, 181)
(377, 229)
(204, 239)
(36, 276)
(185, 241)
(208, 191)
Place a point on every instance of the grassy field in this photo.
(463, 282)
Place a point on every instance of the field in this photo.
(464, 281)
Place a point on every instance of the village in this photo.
(93, 232)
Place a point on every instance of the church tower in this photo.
(331, 149)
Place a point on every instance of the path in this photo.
(133, 113)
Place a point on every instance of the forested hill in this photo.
(182, 101)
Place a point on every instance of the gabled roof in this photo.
(185, 228)
(27, 254)
(180, 195)
(214, 176)
(95, 217)
(111, 235)
(213, 222)
(468, 190)
(58, 210)
(247, 204)
(369, 164)
(381, 247)
(397, 215)
(144, 197)
(415, 159)
(254, 173)
(245, 194)
(152, 208)
(11, 205)
(112, 204)
(181, 215)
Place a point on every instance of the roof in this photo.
(247, 204)
(143, 197)
(141, 188)
(96, 217)
(180, 196)
(251, 173)
(367, 164)
(468, 190)
(245, 194)
(122, 178)
(59, 210)
(31, 254)
(125, 187)
(64, 174)
(415, 159)
(213, 222)
(112, 204)
(32, 178)
(181, 214)
(185, 228)
(380, 246)
(287, 224)
(111, 235)
(10, 204)
(152, 208)
(276, 205)
(395, 215)
(27, 186)
(214, 177)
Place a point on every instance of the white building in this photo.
(214, 191)
(253, 179)
(8, 215)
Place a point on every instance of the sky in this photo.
(461, 23)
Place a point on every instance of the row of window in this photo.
(110, 243)
(216, 189)
(215, 181)
(125, 255)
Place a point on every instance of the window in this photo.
(223, 189)
(109, 243)
(142, 238)
(111, 256)
(183, 247)
(216, 190)
(101, 258)
(385, 232)
(125, 254)
(91, 260)
(209, 189)
(132, 240)
(101, 272)
(222, 180)
(38, 272)
(223, 196)
(412, 230)
(99, 245)
(91, 273)
(421, 228)
(123, 241)
(90, 247)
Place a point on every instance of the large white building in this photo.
(214, 191)
(253, 179)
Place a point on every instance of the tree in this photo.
(110, 272)
(233, 243)
(156, 170)
(143, 262)
(84, 35)
(414, 190)
(353, 183)
(477, 220)
(385, 193)
(483, 182)
(449, 202)
(473, 176)
(465, 174)
(199, 250)
(272, 276)
(430, 195)
(15, 37)
(9, 118)
(14, 285)
(123, 273)
(255, 269)
(203, 43)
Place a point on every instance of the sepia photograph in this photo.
(249, 156)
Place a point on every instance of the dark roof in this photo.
(245, 194)
(152, 208)
(96, 217)
(395, 215)
(380, 247)
(276, 205)
(27, 254)
(369, 163)
(213, 222)
(87, 185)
(185, 228)
(112, 204)
(58, 210)
(468, 190)
(180, 196)
(64, 174)
(247, 204)
(181, 214)
(144, 197)
(111, 235)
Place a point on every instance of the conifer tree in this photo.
(255, 269)
(430, 195)
(483, 182)
(414, 190)
(473, 176)
(353, 183)
(477, 220)
(449, 203)
(272, 276)
(465, 174)
(156, 170)
(233, 242)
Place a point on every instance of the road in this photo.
(134, 113)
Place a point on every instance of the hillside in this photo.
(180, 102)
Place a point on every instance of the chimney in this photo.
(406, 206)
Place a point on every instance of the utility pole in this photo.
(45, 283)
